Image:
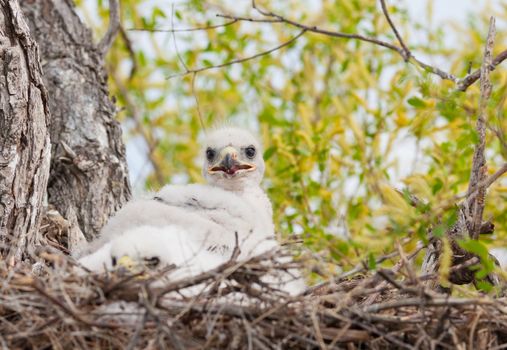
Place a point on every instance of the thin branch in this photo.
(471, 78)
(130, 49)
(39, 288)
(406, 51)
(197, 104)
(138, 121)
(315, 29)
(174, 41)
(472, 193)
(479, 161)
(445, 302)
(182, 30)
(114, 25)
(239, 60)
(435, 70)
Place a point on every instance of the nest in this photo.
(57, 308)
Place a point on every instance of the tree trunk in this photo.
(24, 135)
(89, 178)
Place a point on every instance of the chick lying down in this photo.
(145, 249)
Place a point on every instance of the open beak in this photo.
(229, 164)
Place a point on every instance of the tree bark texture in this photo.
(89, 179)
(24, 135)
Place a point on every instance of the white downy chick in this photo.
(231, 208)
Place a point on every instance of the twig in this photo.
(473, 328)
(472, 261)
(197, 104)
(114, 25)
(174, 41)
(138, 122)
(434, 70)
(427, 302)
(406, 51)
(239, 60)
(315, 29)
(471, 78)
(182, 30)
(236, 251)
(37, 286)
(130, 49)
(472, 193)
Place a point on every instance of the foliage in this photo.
(343, 122)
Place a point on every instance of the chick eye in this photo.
(210, 154)
(113, 261)
(152, 262)
(250, 152)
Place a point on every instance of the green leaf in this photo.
(439, 231)
(372, 262)
(157, 12)
(269, 152)
(437, 186)
(416, 102)
(484, 286)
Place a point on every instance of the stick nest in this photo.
(57, 308)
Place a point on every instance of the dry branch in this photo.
(239, 60)
(114, 26)
(476, 206)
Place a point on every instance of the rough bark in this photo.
(24, 135)
(88, 179)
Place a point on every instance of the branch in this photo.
(239, 60)
(406, 51)
(56, 301)
(182, 30)
(476, 206)
(471, 78)
(130, 49)
(114, 25)
(445, 302)
(136, 114)
(315, 29)
(472, 193)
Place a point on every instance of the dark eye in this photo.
(152, 262)
(250, 152)
(210, 154)
(113, 260)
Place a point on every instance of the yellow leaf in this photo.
(445, 263)
(419, 186)
(393, 198)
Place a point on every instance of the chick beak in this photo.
(228, 163)
(128, 264)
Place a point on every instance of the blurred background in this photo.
(345, 124)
